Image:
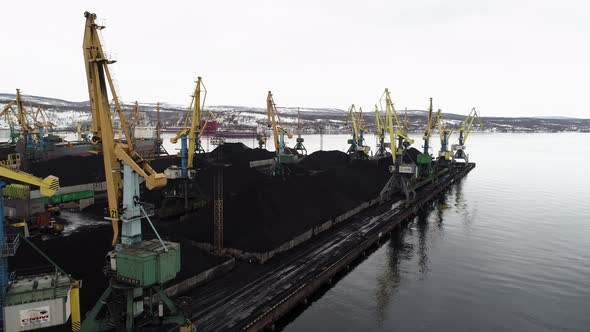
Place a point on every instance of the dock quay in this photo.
(255, 297)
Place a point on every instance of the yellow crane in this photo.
(195, 132)
(20, 113)
(380, 124)
(444, 133)
(98, 76)
(464, 131)
(284, 154)
(402, 174)
(398, 132)
(123, 166)
(191, 132)
(424, 159)
(357, 148)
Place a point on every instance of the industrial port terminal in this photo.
(231, 238)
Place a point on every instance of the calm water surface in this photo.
(508, 248)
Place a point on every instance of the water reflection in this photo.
(402, 247)
(390, 278)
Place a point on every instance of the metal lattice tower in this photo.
(218, 211)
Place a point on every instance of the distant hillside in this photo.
(66, 114)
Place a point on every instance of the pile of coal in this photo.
(321, 160)
(238, 154)
(263, 212)
(71, 170)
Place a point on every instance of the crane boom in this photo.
(98, 75)
(469, 122)
(397, 132)
(194, 135)
(274, 121)
(48, 186)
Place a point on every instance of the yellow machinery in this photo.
(380, 124)
(357, 149)
(464, 131)
(424, 159)
(444, 133)
(397, 132)
(403, 175)
(191, 133)
(284, 154)
(21, 119)
(133, 271)
(48, 187)
(181, 195)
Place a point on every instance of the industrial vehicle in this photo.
(284, 155)
(357, 148)
(464, 130)
(137, 268)
(17, 310)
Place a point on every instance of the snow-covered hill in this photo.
(66, 115)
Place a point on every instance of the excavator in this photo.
(284, 155)
(10, 242)
(357, 149)
(137, 268)
(464, 131)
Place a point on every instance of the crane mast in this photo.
(194, 135)
(123, 166)
(444, 133)
(464, 131)
(357, 147)
(402, 174)
(380, 128)
(424, 159)
(284, 155)
(397, 132)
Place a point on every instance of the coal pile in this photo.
(238, 154)
(262, 212)
(321, 160)
(71, 170)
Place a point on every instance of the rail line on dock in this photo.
(259, 303)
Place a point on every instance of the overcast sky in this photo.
(507, 58)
